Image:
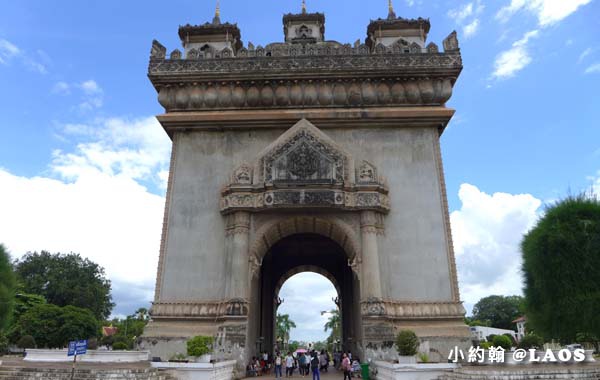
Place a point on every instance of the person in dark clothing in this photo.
(314, 365)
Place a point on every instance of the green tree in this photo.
(561, 264)
(498, 311)
(7, 289)
(284, 326)
(334, 323)
(66, 280)
(54, 326)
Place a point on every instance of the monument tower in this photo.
(306, 155)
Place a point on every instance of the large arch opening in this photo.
(297, 253)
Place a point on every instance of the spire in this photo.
(303, 6)
(391, 13)
(217, 19)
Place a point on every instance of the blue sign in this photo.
(77, 347)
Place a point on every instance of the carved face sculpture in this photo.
(303, 32)
(366, 174)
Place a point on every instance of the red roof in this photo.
(520, 319)
(109, 330)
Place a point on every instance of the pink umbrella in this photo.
(301, 351)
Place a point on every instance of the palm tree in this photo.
(334, 324)
(284, 326)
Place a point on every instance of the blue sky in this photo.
(83, 163)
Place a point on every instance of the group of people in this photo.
(306, 362)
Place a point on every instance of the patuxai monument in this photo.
(306, 154)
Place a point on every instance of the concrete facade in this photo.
(284, 144)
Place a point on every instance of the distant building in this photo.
(520, 327)
(109, 330)
(482, 332)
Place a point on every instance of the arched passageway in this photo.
(297, 253)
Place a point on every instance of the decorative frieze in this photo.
(306, 92)
(200, 310)
(412, 310)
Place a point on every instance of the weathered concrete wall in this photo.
(413, 252)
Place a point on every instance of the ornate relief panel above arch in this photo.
(304, 168)
(304, 154)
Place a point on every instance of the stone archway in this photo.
(296, 253)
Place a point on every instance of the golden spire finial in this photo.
(303, 6)
(217, 18)
(391, 13)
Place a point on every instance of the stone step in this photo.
(545, 374)
(16, 373)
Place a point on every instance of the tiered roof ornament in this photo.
(393, 66)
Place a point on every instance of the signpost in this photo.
(76, 347)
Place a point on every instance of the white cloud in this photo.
(61, 88)
(487, 231)
(515, 59)
(460, 14)
(305, 306)
(90, 87)
(584, 54)
(96, 205)
(548, 12)
(8, 50)
(593, 69)
(467, 16)
(93, 95)
(470, 30)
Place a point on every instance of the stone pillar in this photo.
(370, 276)
(238, 231)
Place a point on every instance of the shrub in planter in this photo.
(531, 341)
(485, 345)
(199, 345)
(407, 343)
(26, 341)
(120, 346)
(502, 341)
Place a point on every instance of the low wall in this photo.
(425, 371)
(198, 371)
(92, 356)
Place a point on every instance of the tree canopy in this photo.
(561, 264)
(7, 289)
(53, 326)
(66, 280)
(284, 326)
(498, 311)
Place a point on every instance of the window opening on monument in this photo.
(308, 316)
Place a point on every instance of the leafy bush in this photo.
(485, 345)
(120, 346)
(531, 341)
(53, 326)
(199, 345)
(3, 344)
(423, 357)
(407, 343)
(502, 341)
(26, 341)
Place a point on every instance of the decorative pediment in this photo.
(304, 168)
(304, 154)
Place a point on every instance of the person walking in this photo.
(314, 365)
(346, 367)
(278, 361)
(289, 365)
